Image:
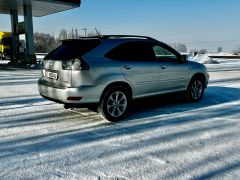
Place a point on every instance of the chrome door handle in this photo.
(128, 67)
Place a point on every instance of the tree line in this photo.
(45, 42)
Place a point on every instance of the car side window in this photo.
(162, 54)
(132, 51)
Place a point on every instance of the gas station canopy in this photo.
(30, 8)
(39, 7)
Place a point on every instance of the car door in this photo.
(138, 66)
(173, 74)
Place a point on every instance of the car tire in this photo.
(115, 104)
(195, 90)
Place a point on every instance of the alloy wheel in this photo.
(197, 89)
(117, 104)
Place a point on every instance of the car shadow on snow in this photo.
(17, 82)
(176, 103)
(21, 101)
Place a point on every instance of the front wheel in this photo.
(115, 104)
(195, 90)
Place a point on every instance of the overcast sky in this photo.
(196, 23)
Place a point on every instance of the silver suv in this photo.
(113, 70)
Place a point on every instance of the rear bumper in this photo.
(89, 93)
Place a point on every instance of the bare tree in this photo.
(63, 34)
(73, 34)
(76, 33)
(219, 49)
(44, 43)
(182, 48)
(70, 34)
(236, 50)
(203, 51)
(194, 50)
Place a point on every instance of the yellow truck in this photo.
(5, 44)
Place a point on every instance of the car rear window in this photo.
(71, 49)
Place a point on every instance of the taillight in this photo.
(75, 65)
(80, 64)
(66, 65)
(43, 66)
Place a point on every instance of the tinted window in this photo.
(72, 49)
(162, 54)
(132, 51)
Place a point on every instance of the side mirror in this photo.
(184, 58)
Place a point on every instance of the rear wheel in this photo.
(115, 104)
(195, 90)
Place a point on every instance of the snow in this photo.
(163, 137)
(206, 58)
(220, 54)
(203, 58)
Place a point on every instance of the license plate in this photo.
(51, 75)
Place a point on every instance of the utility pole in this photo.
(85, 30)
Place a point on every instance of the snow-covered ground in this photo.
(163, 138)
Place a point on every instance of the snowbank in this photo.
(220, 54)
(203, 58)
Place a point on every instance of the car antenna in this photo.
(98, 34)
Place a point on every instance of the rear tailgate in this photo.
(57, 65)
(54, 75)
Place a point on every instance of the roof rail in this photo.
(121, 36)
(128, 36)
